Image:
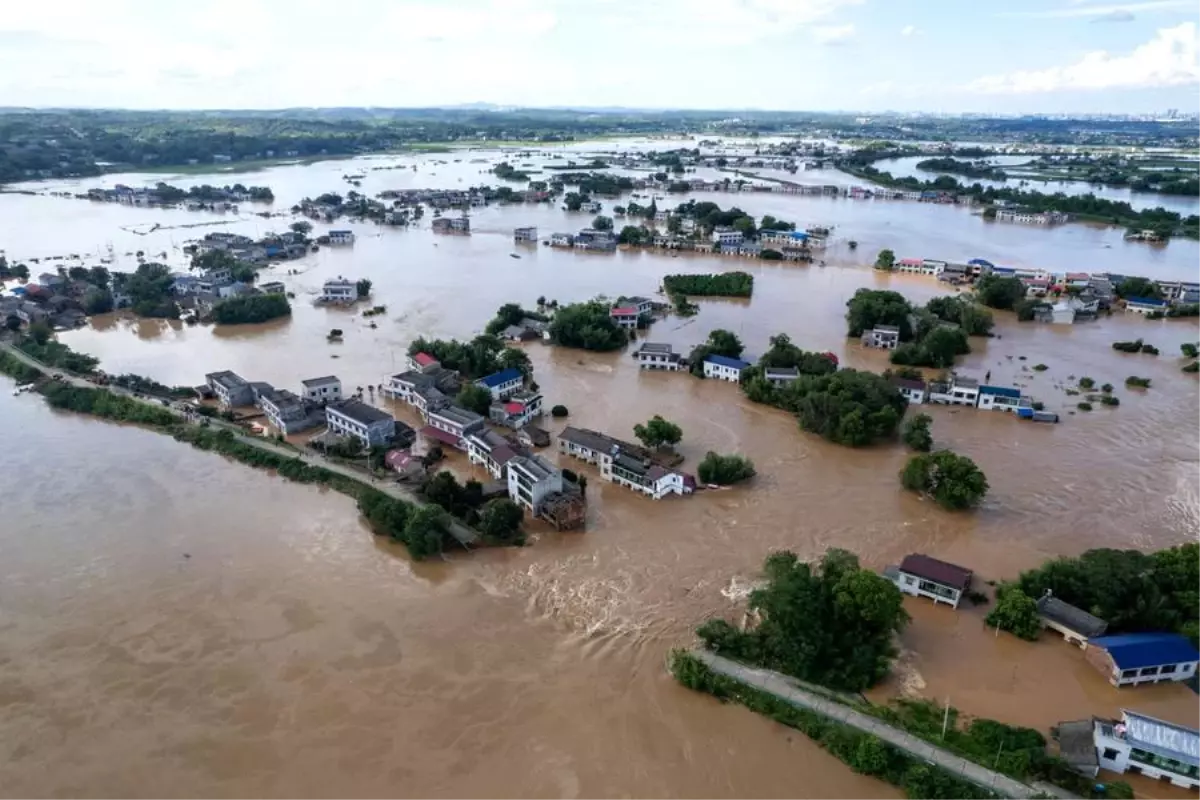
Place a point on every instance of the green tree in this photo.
(425, 532)
(916, 433)
(251, 308)
(97, 301)
(869, 308)
(363, 287)
(635, 235)
(500, 520)
(1189, 350)
(512, 358)
(832, 623)
(40, 332)
(474, 397)
(12, 322)
(937, 349)
(1138, 287)
(587, 326)
(724, 343)
(725, 470)
(953, 481)
(996, 292)
(886, 260)
(848, 407)
(658, 432)
(602, 223)
(559, 411)
(302, 227)
(1015, 612)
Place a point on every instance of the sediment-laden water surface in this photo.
(175, 624)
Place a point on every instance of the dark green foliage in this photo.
(1190, 350)
(830, 623)
(724, 470)
(1109, 400)
(1128, 347)
(500, 521)
(1039, 368)
(1131, 590)
(587, 326)
(996, 292)
(767, 254)
(974, 320)
(1027, 309)
(916, 433)
(1134, 382)
(1183, 310)
(251, 308)
(559, 411)
(658, 432)
(511, 314)
(863, 752)
(869, 308)
(1192, 367)
(474, 397)
(953, 481)
(1138, 287)
(363, 287)
(139, 383)
(444, 490)
(636, 235)
(785, 354)
(1084, 406)
(1015, 612)
(725, 284)
(847, 407)
(97, 301)
(18, 370)
(57, 354)
(720, 343)
(1086, 382)
(12, 323)
(1150, 349)
(40, 332)
(474, 359)
(103, 403)
(426, 532)
(936, 349)
(149, 288)
(886, 260)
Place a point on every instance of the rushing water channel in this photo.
(174, 624)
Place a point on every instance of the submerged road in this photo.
(783, 688)
(464, 535)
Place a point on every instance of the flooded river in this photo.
(174, 624)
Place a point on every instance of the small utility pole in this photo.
(946, 719)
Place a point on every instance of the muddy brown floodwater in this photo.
(177, 625)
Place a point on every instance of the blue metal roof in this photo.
(501, 377)
(983, 262)
(1137, 650)
(1001, 391)
(726, 361)
(1003, 271)
(1149, 301)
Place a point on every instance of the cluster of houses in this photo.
(461, 225)
(442, 199)
(1135, 743)
(586, 239)
(625, 464)
(791, 245)
(54, 299)
(214, 199)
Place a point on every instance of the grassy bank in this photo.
(862, 752)
(18, 370)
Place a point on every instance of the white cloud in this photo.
(908, 30)
(1171, 58)
(1082, 10)
(833, 34)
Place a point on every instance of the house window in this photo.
(1129, 673)
(1166, 669)
(910, 580)
(1150, 671)
(1110, 754)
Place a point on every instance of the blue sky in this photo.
(868, 55)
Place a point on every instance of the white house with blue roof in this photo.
(724, 368)
(1129, 659)
(503, 383)
(1146, 305)
(1001, 398)
(1151, 747)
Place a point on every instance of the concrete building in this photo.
(339, 290)
(883, 337)
(517, 411)
(323, 390)
(531, 480)
(341, 237)
(1001, 398)
(230, 388)
(286, 411)
(724, 368)
(490, 450)
(1076, 625)
(958, 392)
(915, 390)
(1143, 745)
(924, 576)
(1134, 658)
(358, 420)
(625, 316)
(727, 237)
(456, 422)
(561, 240)
(781, 376)
(526, 234)
(653, 355)
(1146, 305)
(623, 463)
(503, 383)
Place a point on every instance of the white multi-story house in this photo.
(623, 463)
(230, 388)
(923, 576)
(1002, 398)
(490, 450)
(1147, 746)
(727, 237)
(724, 368)
(358, 420)
(341, 237)
(458, 423)
(883, 337)
(591, 207)
(323, 390)
(526, 234)
(561, 240)
(915, 390)
(503, 383)
(285, 411)
(339, 290)
(958, 392)
(625, 316)
(517, 411)
(653, 355)
(531, 479)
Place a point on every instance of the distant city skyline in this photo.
(862, 56)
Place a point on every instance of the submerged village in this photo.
(459, 447)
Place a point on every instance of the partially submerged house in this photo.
(230, 388)
(623, 463)
(1130, 659)
(654, 355)
(1147, 746)
(924, 576)
(1076, 625)
(354, 418)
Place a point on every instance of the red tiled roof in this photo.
(514, 408)
(942, 572)
(442, 436)
(424, 359)
(399, 459)
(624, 311)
